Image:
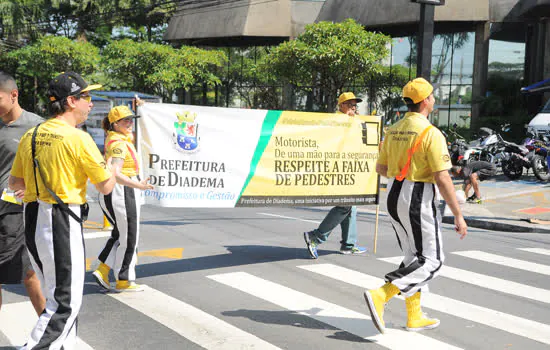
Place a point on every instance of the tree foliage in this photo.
(35, 65)
(326, 57)
(82, 18)
(247, 82)
(159, 69)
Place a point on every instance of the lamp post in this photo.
(425, 37)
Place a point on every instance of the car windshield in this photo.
(546, 108)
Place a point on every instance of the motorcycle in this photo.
(479, 149)
(457, 148)
(539, 149)
(511, 157)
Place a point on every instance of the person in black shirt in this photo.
(473, 173)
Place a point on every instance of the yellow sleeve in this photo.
(17, 168)
(117, 149)
(383, 154)
(92, 161)
(437, 152)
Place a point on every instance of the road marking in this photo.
(92, 224)
(347, 320)
(536, 250)
(196, 325)
(18, 320)
(492, 318)
(171, 253)
(290, 217)
(513, 194)
(533, 210)
(488, 282)
(359, 210)
(97, 234)
(505, 261)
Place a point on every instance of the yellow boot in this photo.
(416, 320)
(101, 275)
(376, 299)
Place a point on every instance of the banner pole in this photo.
(376, 227)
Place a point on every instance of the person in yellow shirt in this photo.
(345, 216)
(52, 165)
(414, 157)
(122, 206)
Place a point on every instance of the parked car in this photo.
(540, 124)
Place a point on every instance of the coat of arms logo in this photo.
(186, 137)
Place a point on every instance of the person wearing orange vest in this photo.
(122, 206)
(345, 216)
(414, 157)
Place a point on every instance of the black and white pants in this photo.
(122, 209)
(56, 248)
(416, 219)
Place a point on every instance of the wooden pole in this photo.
(376, 226)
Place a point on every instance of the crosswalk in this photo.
(209, 329)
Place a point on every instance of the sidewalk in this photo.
(514, 206)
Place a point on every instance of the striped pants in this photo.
(56, 248)
(122, 209)
(416, 219)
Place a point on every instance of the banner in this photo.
(222, 157)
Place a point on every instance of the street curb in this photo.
(496, 226)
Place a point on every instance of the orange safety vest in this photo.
(410, 153)
(131, 153)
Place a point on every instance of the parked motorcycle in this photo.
(511, 157)
(458, 147)
(479, 149)
(539, 146)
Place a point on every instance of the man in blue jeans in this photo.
(346, 217)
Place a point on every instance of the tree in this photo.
(254, 87)
(327, 57)
(82, 19)
(35, 65)
(385, 90)
(159, 69)
(18, 17)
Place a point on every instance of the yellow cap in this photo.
(346, 96)
(417, 90)
(120, 112)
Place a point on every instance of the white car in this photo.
(540, 124)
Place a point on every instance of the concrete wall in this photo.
(241, 18)
(303, 13)
(395, 12)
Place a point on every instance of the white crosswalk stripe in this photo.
(541, 251)
(182, 319)
(334, 315)
(188, 321)
(17, 321)
(493, 318)
(488, 282)
(505, 261)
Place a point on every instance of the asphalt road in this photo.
(242, 279)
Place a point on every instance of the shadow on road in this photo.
(237, 256)
(292, 318)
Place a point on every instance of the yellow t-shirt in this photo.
(432, 155)
(118, 145)
(67, 156)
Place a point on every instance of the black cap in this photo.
(68, 84)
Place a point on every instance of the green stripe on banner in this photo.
(267, 130)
